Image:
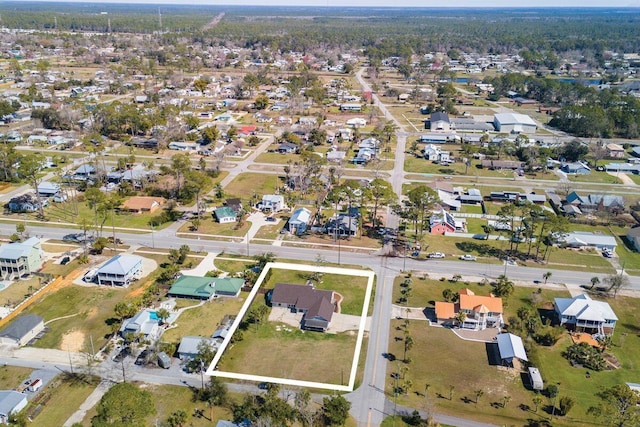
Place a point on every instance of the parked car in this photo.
(65, 260)
(270, 219)
(436, 255)
(607, 253)
(468, 257)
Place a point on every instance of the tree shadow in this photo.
(466, 399)
(482, 249)
(524, 407)
(389, 356)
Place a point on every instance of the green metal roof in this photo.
(228, 285)
(224, 211)
(205, 287)
(193, 286)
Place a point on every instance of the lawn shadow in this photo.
(493, 354)
(466, 399)
(481, 249)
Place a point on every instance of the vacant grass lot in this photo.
(231, 266)
(18, 291)
(12, 376)
(61, 398)
(596, 177)
(443, 360)
(63, 212)
(270, 232)
(286, 353)
(210, 226)
(203, 320)
(169, 399)
(245, 183)
(352, 288)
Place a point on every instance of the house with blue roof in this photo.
(120, 270)
(20, 258)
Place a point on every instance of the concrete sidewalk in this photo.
(91, 401)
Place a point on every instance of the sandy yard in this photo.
(73, 341)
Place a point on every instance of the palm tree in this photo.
(408, 344)
(595, 280)
(478, 393)
(505, 400)
(537, 400)
(461, 316)
(546, 276)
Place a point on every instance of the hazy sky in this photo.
(390, 3)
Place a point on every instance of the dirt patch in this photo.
(92, 313)
(73, 341)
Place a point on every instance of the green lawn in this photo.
(18, 291)
(270, 232)
(209, 226)
(449, 361)
(232, 266)
(427, 291)
(574, 382)
(169, 399)
(282, 351)
(203, 320)
(245, 184)
(92, 309)
(596, 177)
(71, 212)
(12, 376)
(352, 288)
(463, 364)
(61, 398)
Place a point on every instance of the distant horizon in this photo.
(453, 4)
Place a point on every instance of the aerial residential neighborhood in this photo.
(305, 216)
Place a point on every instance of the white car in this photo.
(436, 255)
(468, 257)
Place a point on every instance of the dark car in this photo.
(65, 260)
(126, 351)
(270, 219)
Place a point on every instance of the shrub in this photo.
(585, 355)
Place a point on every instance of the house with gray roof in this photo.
(188, 348)
(11, 402)
(120, 270)
(22, 330)
(20, 258)
(342, 225)
(439, 121)
(580, 239)
(633, 237)
(584, 314)
(317, 305)
(511, 347)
